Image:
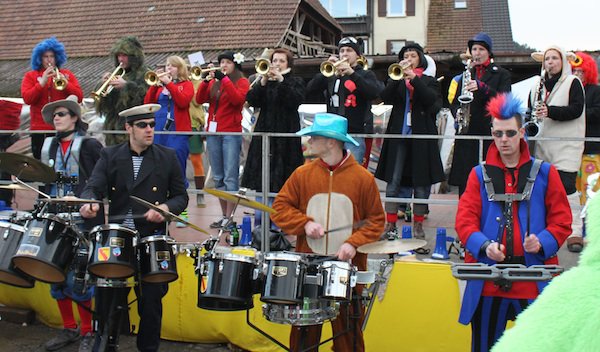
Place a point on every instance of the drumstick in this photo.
(351, 226)
(123, 217)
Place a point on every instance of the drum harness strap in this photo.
(507, 220)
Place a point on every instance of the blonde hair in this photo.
(182, 69)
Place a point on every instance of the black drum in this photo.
(284, 278)
(10, 236)
(226, 281)
(114, 251)
(157, 259)
(46, 249)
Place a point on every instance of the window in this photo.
(460, 4)
(394, 46)
(345, 8)
(396, 8)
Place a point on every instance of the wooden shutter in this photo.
(382, 8)
(410, 7)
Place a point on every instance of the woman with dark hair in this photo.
(278, 96)
(38, 88)
(411, 162)
(225, 91)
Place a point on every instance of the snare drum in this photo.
(114, 251)
(157, 259)
(312, 311)
(226, 281)
(10, 236)
(338, 280)
(46, 249)
(284, 278)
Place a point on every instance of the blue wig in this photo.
(505, 106)
(60, 55)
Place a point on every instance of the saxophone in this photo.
(463, 113)
(533, 126)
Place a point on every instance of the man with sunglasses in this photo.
(514, 211)
(149, 171)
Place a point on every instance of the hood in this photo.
(566, 66)
(131, 47)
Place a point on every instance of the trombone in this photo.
(105, 88)
(327, 68)
(60, 83)
(152, 78)
(196, 72)
(396, 70)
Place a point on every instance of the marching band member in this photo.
(338, 176)
(129, 89)
(277, 96)
(141, 168)
(487, 79)
(416, 100)
(174, 94)
(528, 230)
(39, 88)
(226, 93)
(72, 154)
(349, 92)
(563, 115)
(198, 119)
(586, 70)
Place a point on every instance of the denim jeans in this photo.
(224, 157)
(357, 151)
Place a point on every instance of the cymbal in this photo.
(26, 168)
(240, 199)
(389, 247)
(13, 186)
(167, 214)
(70, 200)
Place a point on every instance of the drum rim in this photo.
(52, 217)
(336, 264)
(238, 258)
(290, 257)
(11, 226)
(104, 227)
(154, 238)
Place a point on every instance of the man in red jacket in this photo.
(39, 88)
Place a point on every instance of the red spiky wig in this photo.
(589, 67)
(505, 106)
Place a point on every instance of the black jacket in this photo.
(356, 91)
(423, 165)
(592, 117)
(159, 180)
(278, 104)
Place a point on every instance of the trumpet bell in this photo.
(396, 72)
(151, 78)
(196, 73)
(327, 69)
(262, 66)
(363, 62)
(60, 83)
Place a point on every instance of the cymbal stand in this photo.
(229, 221)
(371, 292)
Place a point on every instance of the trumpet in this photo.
(363, 62)
(152, 78)
(196, 72)
(533, 126)
(262, 66)
(327, 68)
(396, 70)
(60, 83)
(106, 88)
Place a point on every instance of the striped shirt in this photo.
(137, 163)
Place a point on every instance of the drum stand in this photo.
(370, 293)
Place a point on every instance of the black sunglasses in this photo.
(60, 114)
(143, 124)
(500, 133)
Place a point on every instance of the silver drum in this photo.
(338, 280)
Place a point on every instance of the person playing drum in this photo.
(73, 155)
(313, 200)
(140, 168)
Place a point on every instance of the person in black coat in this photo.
(416, 163)
(349, 92)
(278, 95)
(151, 172)
(487, 79)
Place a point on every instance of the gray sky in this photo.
(572, 25)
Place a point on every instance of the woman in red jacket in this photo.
(174, 93)
(225, 91)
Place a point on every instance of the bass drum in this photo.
(226, 281)
(114, 253)
(10, 236)
(157, 259)
(312, 311)
(46, 249)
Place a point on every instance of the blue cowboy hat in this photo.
(330, 126)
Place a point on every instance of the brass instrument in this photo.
(463, 113)
(60, 83)
(363, 61)
(152, 78)
(396, 70)
(327, 68)
(196, 72)
(106, 88)
(262, 66)
(533, 126)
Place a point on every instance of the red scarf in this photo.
(419, 72)
(480, 69)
